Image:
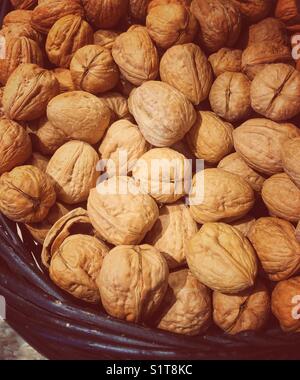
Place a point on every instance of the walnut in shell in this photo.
(16, 30)
(1, 103)
(138, 9)
(105, 38)
(269, 29)
(64, 79)
(118, 105)
(254, 10)
(288, 11)
(291, 159)
(244, 224)
(23, 4)
(132, 282)
(17, 16)
(39, 161)
(225, 60)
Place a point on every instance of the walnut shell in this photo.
(118, 105)
(64, 79)
(26, 194)
(254, 10)
(285, 304)
(138, 9)
(282, 197)
(218, 195)
(186, 308)
(186, 68)
(76, 265)
(1, 103)
(288, 12)
(122, 138)
(136, 56)
(45, 15)
(225, 60)
(155, 3)
(235, 164)
(276, 246)
(17, 16)
(171, 24)
(171, 233)
(247, 311)
(66, 36)
(79, 115)
(94, 70)
(291, 159)
(244, 224)
(39, 161)
(132, 282)
(15, 145)
(230, 96)
(259, 143)
(221, 258)
(105, 38)
(23, 4)
(269, 29)
(210, 138)
(28, 91)
(120, 212)
(275, 92)
(105, 14)
(73, 170)
(163, 114)
(220, 23)
(16, 30)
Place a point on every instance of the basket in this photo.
(60, 327)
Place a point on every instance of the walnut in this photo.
(210, 138)
(225, 60)
(118, 105)
(259, 143)
(1, 103)
(26, 194)
(230, 96)
(122, 138)
(138, 9)
(246, 311)
(275, 92)
(64, 79)
(15, 145)
(155, 3)
(17, 16)
(254, 10)
(76, 265)
(132, 282)
(217, 195)
(105, 38)
(94, 70)
(288, 12)
(18, 51)
(45, 15)
(282, 197)
(276, 246)
(73, 170)
(291, 159)
(220, 23)
(66, 36)
(163, 114)
(285, 304)
(105, 14)
(15, 30)
(171, 24)
(120, 212)
(186, 68)
(28, 91)
(269, 29)
(23, 4)
(244, 224)
(162, 172)
(39, 161)
(186, 308)
(79, 116)
(136, 56)
(221, 258)
(171, 233)
(234, 163)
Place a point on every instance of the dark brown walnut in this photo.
(118, 105)
(259, 143)
(276, 246)
(24, 4)
(16, 30)
(171, 24)
(105, 38)
(226, 59)
(230, 96)
(136, 56)
(26, 194)
(155, 3)
(285, 304)
(186, 308)
(76, 265)
(38, 160)
(94, 70)
(282, 197)
(17, 16)
(269, 29)
(105, 14)
(186, 68)
(220, 23)
(45, 15)
(28, 91)
(288, 11)
(64, 79)
(291, 159)
(254, 10)
(132, 282)
(66, 36)
(18, 51)
(15, 145)
(138, 9)
(246, 311)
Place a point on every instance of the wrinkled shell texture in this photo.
(288, 12)
(226, 60)
(291, 159)
(171, 233)
(187, 305)
(64, 78)
(118, 105)
(269, 29)
(76, 265)
(254, 10)
(20, 30)
(21, 16)
(220, 257)
(132, 282)
(105, 38)
(23, 4)
(244, 224)
(38, 160)
(138, 9)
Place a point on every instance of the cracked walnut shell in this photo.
(132, 282)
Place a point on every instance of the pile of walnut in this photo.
(207, 79)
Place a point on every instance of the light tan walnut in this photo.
(254, 10)
(226, 60)
(17, 16)
(291, 159)
(105, 38)
(220, 257)
(64, 79)
(132, 282)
